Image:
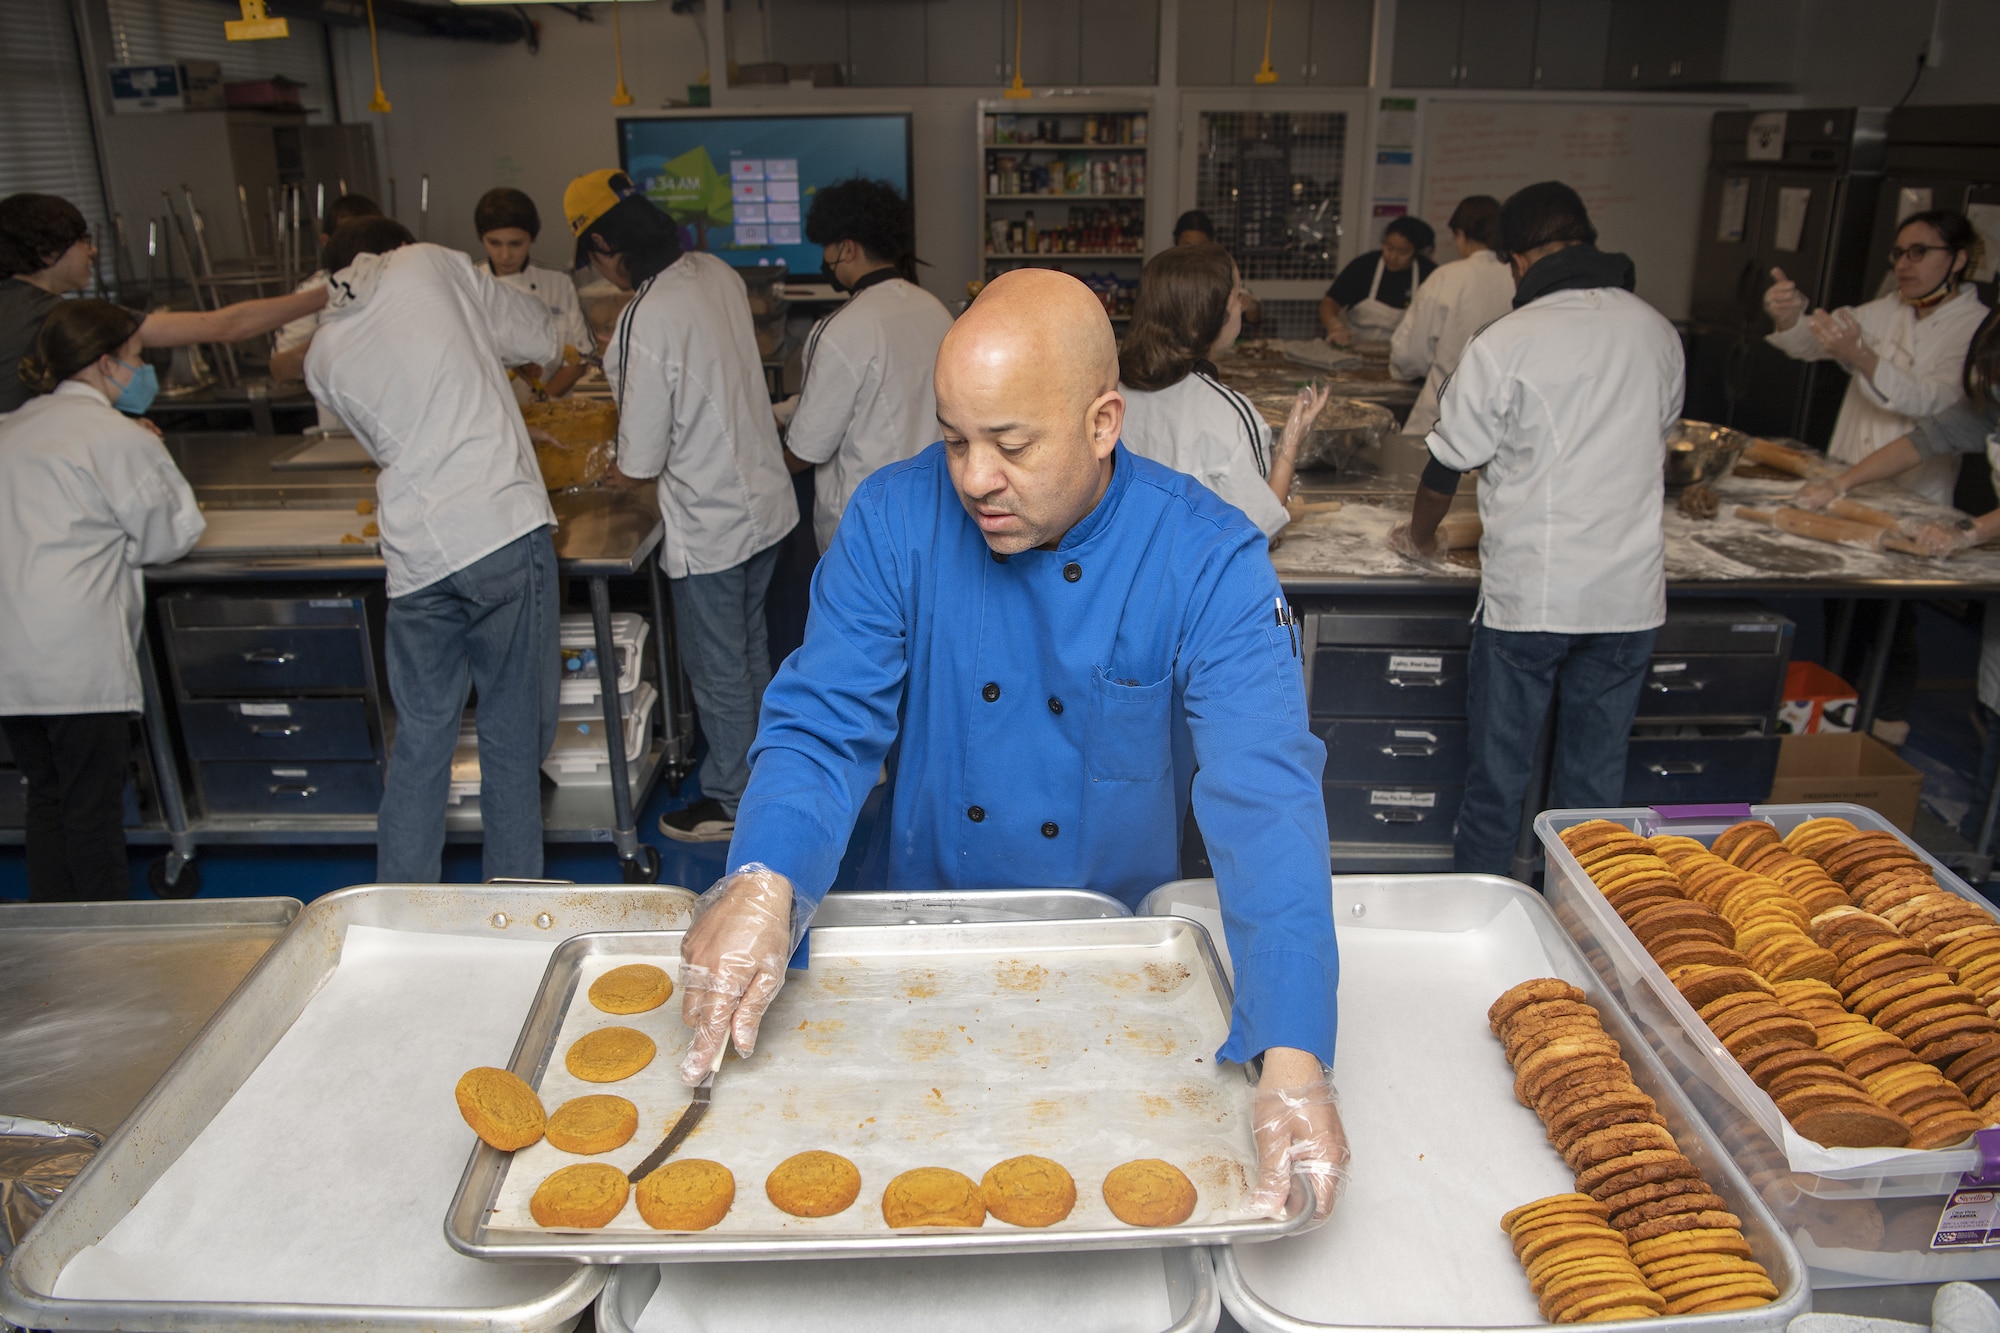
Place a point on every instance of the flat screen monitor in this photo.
(740, 186)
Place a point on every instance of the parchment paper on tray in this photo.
(320, 1180)
(897, 1057)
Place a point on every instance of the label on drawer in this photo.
(264, 710)
(1426, 666)
(1668, 668)
(1758, 628)
(340, 603)
(1407, 800)
(289, 773)
(1403, 735)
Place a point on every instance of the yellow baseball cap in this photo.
(589, 197)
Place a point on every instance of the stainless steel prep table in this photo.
(600, 535)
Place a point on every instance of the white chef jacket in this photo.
(410, 353)
(296, 334)
(87, 496)
(693, 410)
(1918, 376)
(1565, 404)
(867, 400)
(1456, 301)
(1206, 429)
(556, 291)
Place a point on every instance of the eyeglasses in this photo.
(1915, 253)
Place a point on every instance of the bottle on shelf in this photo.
(1033, 237)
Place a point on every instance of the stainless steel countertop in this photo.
(97, 999)
(605, 531)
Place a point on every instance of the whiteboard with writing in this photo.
(1639, 169)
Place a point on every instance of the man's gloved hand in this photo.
(1306, 407)
(733, 962)
(1816, 495)
(1939, 540)
(1296, 1121)
(1404, 544)
(1783, 301)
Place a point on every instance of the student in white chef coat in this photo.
(866, 400)
(1367, 300)
(87, 496)
(508, 223)
(291, 343)
(1565, 403)
(410, 356)
(1455, 302)
(1903, 352)
(694, 411)
(1177, 412)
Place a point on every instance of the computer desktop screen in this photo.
(740, 186)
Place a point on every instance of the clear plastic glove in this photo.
(1816, 495)
(733, 961)
(1939, 540)
(1298, 1132)
(1840, 334)
(1311, 401)
(1403, 543)
(1783, 301)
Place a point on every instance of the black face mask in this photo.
(826, 271)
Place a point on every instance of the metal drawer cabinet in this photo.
(1401, 814)
(1399, 750)
(278, 729)
(1726, 764)
(1712, 685)
(331, 788)
(270, 659)
(1388, 682)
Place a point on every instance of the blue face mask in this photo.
(139, 391)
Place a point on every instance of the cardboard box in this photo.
(1815, 701)
(201, 85)
(1845, 766)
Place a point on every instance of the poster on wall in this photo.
(1395, 185)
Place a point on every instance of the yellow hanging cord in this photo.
(1265, 74)
(1019, 90)
(621, 97)
(380, 102)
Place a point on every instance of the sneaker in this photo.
(1892, 734)
(704, 821)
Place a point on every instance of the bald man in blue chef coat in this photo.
(1065, 637)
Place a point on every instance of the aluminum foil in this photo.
(37, 1159)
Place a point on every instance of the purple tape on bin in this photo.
(1727, 810)
(1988, 1143)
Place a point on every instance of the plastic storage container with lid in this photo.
(581, 758)
(580, 683)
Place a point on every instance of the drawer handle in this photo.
(1409, 751)
(298, 791)
(1677, 768)
(265, 729)
(270, 656)
(1677, 685)
(1417, 682)
(1398, 817)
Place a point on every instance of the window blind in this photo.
(48, 147)
(158, 31)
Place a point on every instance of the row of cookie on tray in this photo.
(1794, 952)
(1644, 1234)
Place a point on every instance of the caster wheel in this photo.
(643, 868)
(186, 886)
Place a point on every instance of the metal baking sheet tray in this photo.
(228, 1051)
(1091, 1042)
(1441, 1148)
(283, 532)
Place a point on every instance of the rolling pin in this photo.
(1459, 532)
(1827, 528)
(1861, 513)
(1795, 461)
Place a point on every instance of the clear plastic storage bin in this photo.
(581, 758)
(580, 674)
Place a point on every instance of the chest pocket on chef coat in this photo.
(1131, 735)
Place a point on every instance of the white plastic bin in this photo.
(581, 758)
(580, 674)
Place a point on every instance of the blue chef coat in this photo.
(1053, 706)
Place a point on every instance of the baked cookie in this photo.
(1028, 1191)
(813, 1184)
(593, 1124)
(692, 1194)
(631, 989)
(588, 1194)
(609, 1054)
(501, 1109)
(1149, 1193)
(933, 1196)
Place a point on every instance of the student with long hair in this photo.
(1190, 309)
(87, 497)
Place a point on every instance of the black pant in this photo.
(76, 766)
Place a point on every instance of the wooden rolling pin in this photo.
(1459, 532)
(1795, 461)
(1861, 513)
(1828, 528)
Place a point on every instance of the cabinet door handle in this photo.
(1398, 817)
(297, 791)
(265, 729)
(1409, 751)
(270, 656)
(1417, 682)
(1677, 768)
(1677, 685)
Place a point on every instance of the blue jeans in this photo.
(492, 625)
(719, 619)
(1593, 681)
